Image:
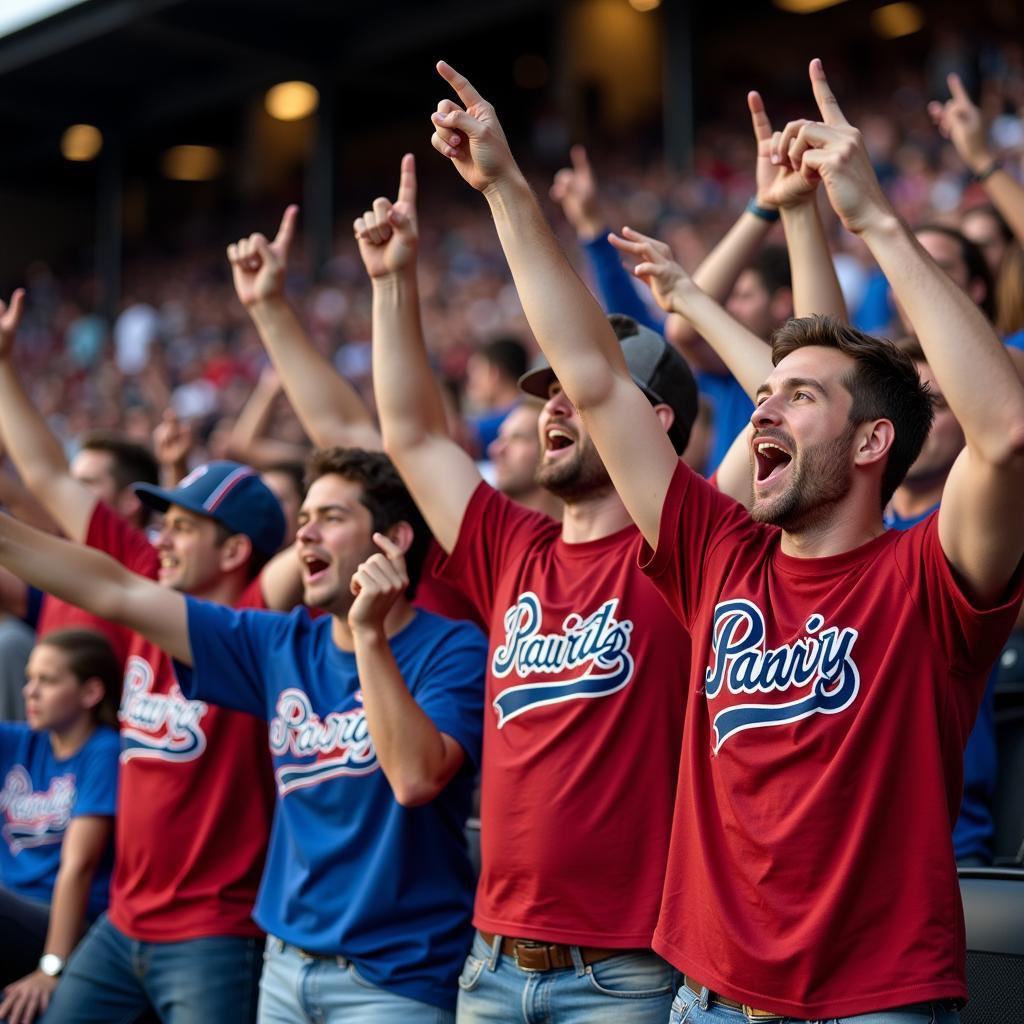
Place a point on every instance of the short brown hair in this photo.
(884, 384)
(384, 496)
(132, 463)
(89, 656)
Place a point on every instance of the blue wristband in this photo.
(769, 215)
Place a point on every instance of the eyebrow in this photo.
(793, 382)
(324, 508)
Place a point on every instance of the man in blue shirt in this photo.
(375, 720)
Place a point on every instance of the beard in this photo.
(579, 476)
(821, 478)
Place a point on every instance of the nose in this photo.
(558, 405)
(29, 689)
(307, 531)
(767, 413)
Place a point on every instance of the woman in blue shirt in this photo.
(58, 787)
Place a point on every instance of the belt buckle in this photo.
(753, 1013)
(528, 945)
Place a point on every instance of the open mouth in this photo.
(558, 439)
(314, 567)
(771, 460)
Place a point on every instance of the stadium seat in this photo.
(1008, 803)
(994, 912)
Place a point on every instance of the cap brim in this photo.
(154, 497)
(538, 382)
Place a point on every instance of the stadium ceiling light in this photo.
(643, 6)
(291, 101)
(191, 163)
(806, 6)
(895, 20)
(81, 143)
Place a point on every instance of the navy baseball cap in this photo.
(229, 493)
(657, 369)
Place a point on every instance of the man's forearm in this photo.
(565, 318)
(408, 397)
(815, 284)
(972, 367)
(410, 748)
(329, 408)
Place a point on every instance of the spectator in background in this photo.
(492, 387)
(57, 799)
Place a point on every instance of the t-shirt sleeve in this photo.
(494, 530)
(10, 736)
(695, 518)
(451, 689)
(230, 652)
(971, 637)
(96, 782)
(111, 533)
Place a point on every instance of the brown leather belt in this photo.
(530, 955)
(713, 997)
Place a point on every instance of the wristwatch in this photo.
(52, 965)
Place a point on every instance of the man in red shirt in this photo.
(837, 666)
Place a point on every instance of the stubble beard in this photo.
(581, 476)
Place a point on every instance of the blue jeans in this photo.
(688, 1009)
(296, 989)
(635, 988)
(112, 979)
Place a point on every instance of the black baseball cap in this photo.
(657, 369)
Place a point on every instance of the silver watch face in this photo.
(51, 964)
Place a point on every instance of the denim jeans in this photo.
(687, 1009)
(112, 979)
(296, 989)
(634, 988)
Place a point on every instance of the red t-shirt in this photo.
(586, 685)
(195, 792)
(57, 614)
(811, 869)
(437, 595)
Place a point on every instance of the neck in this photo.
(539, 500)
(597, 515)
(398, 617)
(842, 531)
(68, 740)
(915, 497)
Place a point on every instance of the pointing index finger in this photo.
(388, 546)
(759, 117)
(827, 103)
(407, 180)
(956, 88)
(462, 85)
(286, 231)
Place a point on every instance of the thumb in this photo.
(461, 121)
(262, 246)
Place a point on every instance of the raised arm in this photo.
(418, 759)
(329, 408)
(248, 442)
(85, 840)
(980, 526)
(566, 320)
(172, 444)
(440, 476)
(35, 451)
(960, 121)
(98, 583)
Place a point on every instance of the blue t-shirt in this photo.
(349, 870)
(975, 828)
(40, 794)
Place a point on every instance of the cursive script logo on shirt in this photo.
(31, 817)
(817, 671)
(595, 649)
(339, 743)
(164, 726)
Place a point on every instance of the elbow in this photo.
(1008, 449)
(415, 792)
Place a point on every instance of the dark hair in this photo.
(974, 260)
(771, 265)
(89, 655)
(384, 495)
(257, 558)
(295, 471)
(508, 355)
(131, 462)
(884, 384)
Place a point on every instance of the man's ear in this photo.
(666, 415)
(235, 552)
(873, 441)
(402, 534)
